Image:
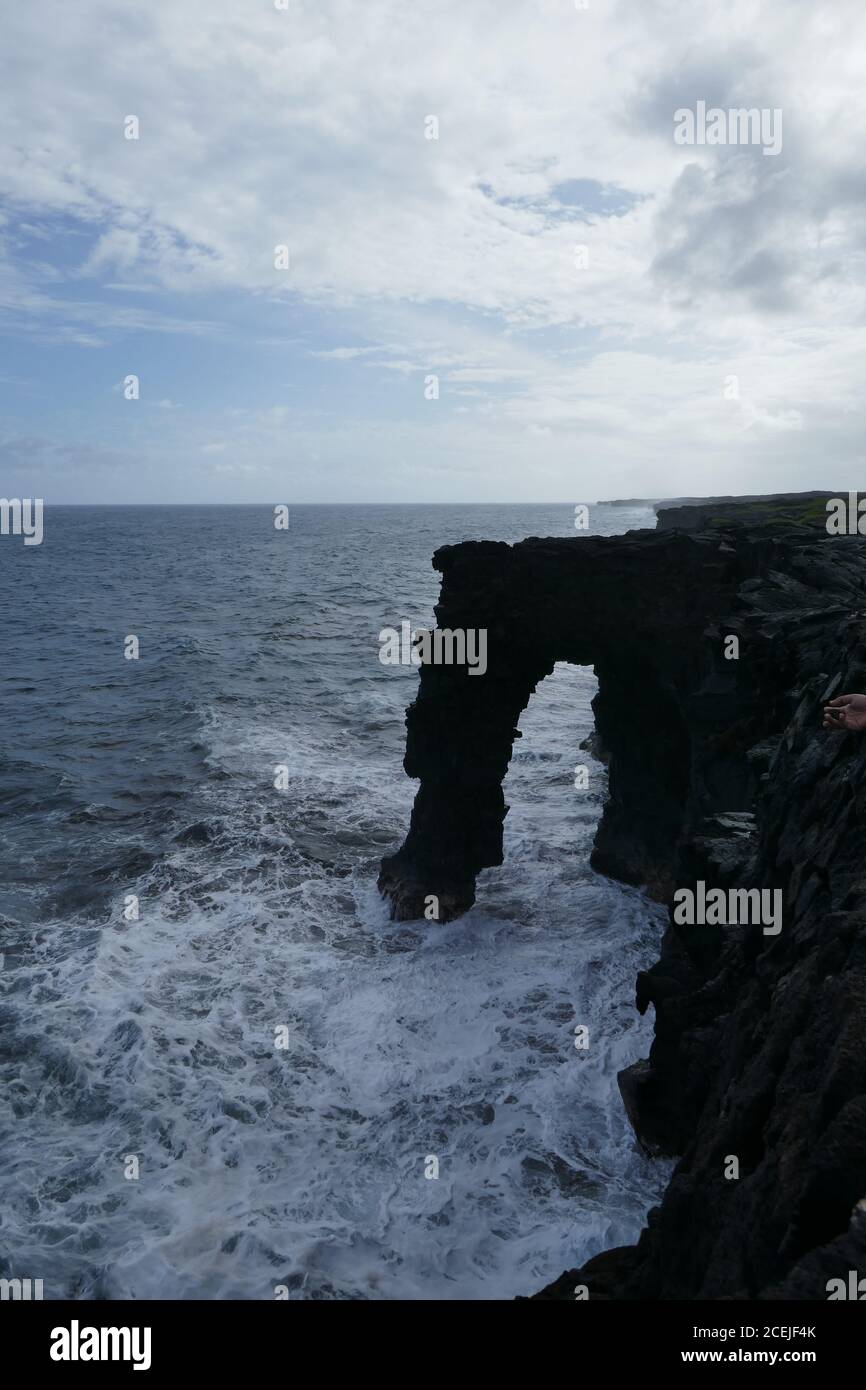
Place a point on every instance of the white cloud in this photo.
(342, 354)
(306, 127)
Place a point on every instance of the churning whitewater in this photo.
(301, 1165)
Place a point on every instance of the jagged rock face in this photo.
(760, 1042)
(720, 771)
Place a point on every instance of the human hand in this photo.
(846, 712)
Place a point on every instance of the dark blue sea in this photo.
(154, 1038)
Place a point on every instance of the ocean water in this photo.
(153, 1042)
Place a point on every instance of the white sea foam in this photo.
(305, 1167)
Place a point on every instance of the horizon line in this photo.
(633, 502)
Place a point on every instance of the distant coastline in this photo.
(657, 502)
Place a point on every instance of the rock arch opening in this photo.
(634, 607)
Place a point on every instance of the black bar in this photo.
(230, 1337)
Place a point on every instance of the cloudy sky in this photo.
(606, 312)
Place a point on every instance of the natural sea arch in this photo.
(633, 607)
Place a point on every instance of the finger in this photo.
(840, 700)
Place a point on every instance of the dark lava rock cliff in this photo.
(719, 771)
